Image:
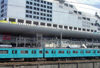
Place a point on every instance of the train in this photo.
(47, 53)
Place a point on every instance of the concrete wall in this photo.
(65, 65)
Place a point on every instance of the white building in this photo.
(65, 16)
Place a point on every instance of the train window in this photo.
(53, 52)
(98, 51)
(68, 52)
(3, 51)
(40, 52)
(47, 52)
(81, 51)
(14, 51)
(34, 52)
(24, 52)
(61, 51)
(94, 51)
(87, 51)
(75, 51)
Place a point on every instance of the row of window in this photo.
(68, 5)
(86, 18)
(2, 8)
(40, 5)
(39, 1)
(51, 25)
(38, 9)
(2, 2)
(40, 18)
(47, 52)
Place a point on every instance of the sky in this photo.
(95, 3)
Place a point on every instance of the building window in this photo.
(80, 13)
(91, 30)
(36, 23)
(70, 28)
(34, 17)
(75, 11)
(31, 3)
(54, 25)
(27, 2)
(66, 4)
(88, 19)
(66, 27)
(79, 29)
(27, 15)
(84, 18)
(84, 29)
(31, 12)
(28, 22)
(43, 24)
(75, 28)
(30, 16)
(30, 7)
(88, 30)
(20, 21)
(48, 24)
(60, 26)
(27, 6)
(12, 19)
(27, 11)
(71, 6)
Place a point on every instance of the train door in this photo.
(14, 53)
(54, 53)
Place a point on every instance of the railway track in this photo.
(46, 62)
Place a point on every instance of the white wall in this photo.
(16, 8)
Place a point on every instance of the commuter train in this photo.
(47, 53)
